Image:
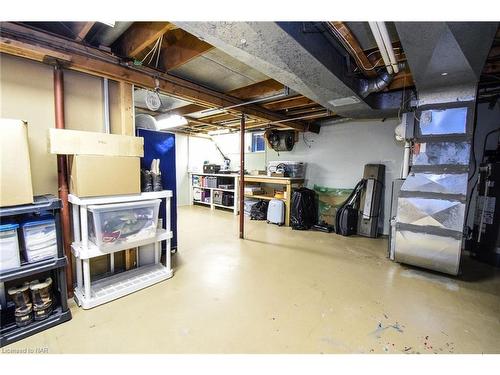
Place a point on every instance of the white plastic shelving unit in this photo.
(90, 294)
(212, 205)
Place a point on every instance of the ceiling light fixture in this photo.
(171, 121)
(219, 132)
(444, 74)
(108, 23)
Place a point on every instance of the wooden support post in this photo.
(242, 176)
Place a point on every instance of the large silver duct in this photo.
(445, 59)
(432, 200)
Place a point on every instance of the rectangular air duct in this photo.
(432, 201)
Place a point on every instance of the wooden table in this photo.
(287, 182)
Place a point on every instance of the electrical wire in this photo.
(151, 51)
(159, 51)
(154, 51)
(306, 142)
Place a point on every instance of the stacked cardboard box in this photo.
(15, 172)
(101, 164)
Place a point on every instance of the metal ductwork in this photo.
(303, 56)
(105, 35)
(445, 54)
(368, 86)
(446, 60)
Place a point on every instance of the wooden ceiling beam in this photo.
(296, 101)
(257, 90)
(139, 36)
(187, 109)
(401, 80)
(249, 92)
(81, 29)
(37, 53)
(93, 61)
(180, 48)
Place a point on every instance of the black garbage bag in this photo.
(304, 212)
(259, 210)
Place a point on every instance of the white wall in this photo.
(337, 155)
(181, 169)
(335, 158)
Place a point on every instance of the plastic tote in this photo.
(122, 222)
(39, 238)
(9, 247)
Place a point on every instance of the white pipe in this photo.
(388, 45)
(105, 94)
(381, 46)
(406, 160)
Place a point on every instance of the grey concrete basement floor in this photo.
(284, 291)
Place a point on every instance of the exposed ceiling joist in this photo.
(187, 109)
(181, 47)
(139, 36)
(297, 101)
(81, 29)
(249, 92)
(257, 90)
(94, 61)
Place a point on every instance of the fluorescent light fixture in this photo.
(444, 74)
(344, 101)
(108, 23)
(219, 132)
(172, 121)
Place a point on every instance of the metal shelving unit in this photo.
(9, 332)
(89, 294)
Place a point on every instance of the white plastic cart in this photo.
(90, 294)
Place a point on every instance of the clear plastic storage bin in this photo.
(9, 247)
(111, 224)
(39, 238)
(295, 169)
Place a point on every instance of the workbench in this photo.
(287, 182)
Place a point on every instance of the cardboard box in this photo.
(75, 142)
(15, 171)
(329, 200)
(95, 175)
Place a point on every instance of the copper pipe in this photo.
(242, 176)
(62, 176)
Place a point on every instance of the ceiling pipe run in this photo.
(388, 46)
(380, 34)
(286, 92)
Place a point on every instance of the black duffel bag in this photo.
(259, 210)
(304, 212)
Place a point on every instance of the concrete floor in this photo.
(284, 291)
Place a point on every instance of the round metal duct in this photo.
(144, 121)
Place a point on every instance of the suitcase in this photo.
(276, 212)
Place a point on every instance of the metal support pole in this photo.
(62, 175)
(242, 175)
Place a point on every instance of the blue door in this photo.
(161, 145)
